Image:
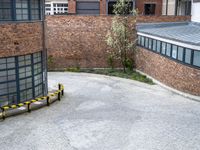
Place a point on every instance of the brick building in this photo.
(105, 7)
(170, 52)
(22, 51)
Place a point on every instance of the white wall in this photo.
(196, 12)
(171, 7)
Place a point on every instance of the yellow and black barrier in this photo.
(59, 93)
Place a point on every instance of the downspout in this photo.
(176, 8)
(44, 50)
(167, 3)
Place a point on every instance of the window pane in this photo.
(150, 44)
(168, 52)
(5, 10)
(163, 47)
(188, 54)
(180, 53)
(158, 46)
(146, 42)
(196, 60)
(154, 45)
(139, 37)
(174, 51)
(142, 41)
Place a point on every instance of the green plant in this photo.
(73, 69)
(50, 60)
(111, 61)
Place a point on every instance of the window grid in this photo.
(180, 54)
(18, 80)
(20, 10)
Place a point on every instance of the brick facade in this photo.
(171, 73)
(154, 19)
(80, 40)
(71, 6)
(20, 38)
(103, 5)
(140, 6)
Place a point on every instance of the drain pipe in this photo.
(45, 86)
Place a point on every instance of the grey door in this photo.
(87, 8)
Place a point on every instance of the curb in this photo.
(186, 95)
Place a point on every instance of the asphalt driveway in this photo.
(106, 113)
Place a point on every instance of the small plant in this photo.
(119, 73)
(111, 61)
(50, 61)
(73, 69)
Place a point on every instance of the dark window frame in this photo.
(13, 16)
(191, 64)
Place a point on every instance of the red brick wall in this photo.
(20, 38)
(150, 19)
(140, 6)
(80, 40)
(171, 73)
(103, 7)
(71, 6)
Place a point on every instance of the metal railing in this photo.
(57, 95)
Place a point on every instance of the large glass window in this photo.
(196, 58)
(20, 10)
(185, 55)
(5, 10)
(20, 76)
(188, 54)
(35, 9)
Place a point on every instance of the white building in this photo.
(56, 7)
(176, 7)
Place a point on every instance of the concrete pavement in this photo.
(106, 113)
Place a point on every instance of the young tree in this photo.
(121, 37)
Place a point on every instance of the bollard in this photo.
(59, 96)
(48, 101)
(62, 91)
(29, 107)
(3, 114)
(59, 86)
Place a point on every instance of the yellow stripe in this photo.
(6, 107)
(13, 106)
(20, 104)
(27, 102)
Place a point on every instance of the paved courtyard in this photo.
(106, 113)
